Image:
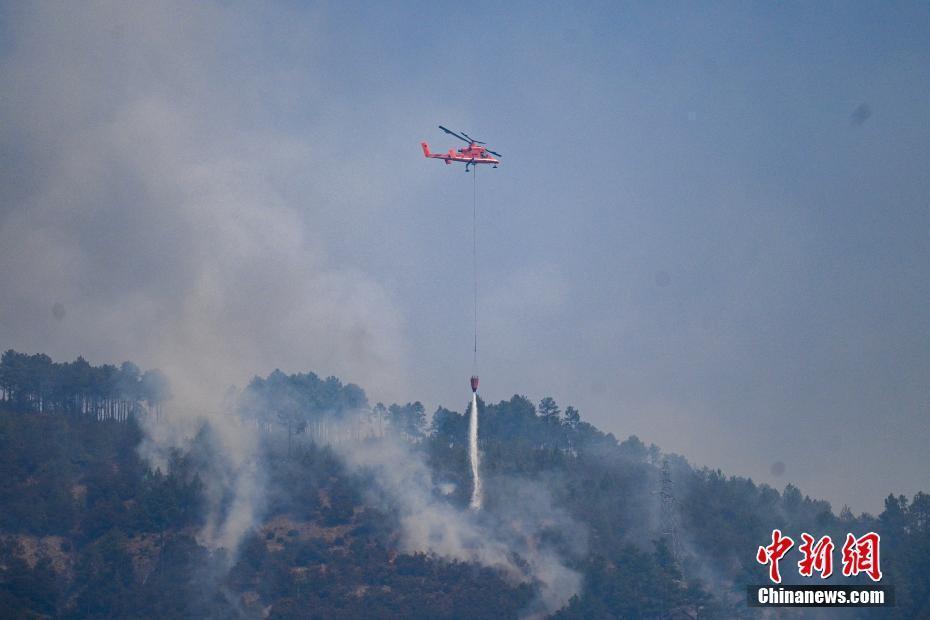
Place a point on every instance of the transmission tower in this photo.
(668, 514)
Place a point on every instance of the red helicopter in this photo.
(472, 155)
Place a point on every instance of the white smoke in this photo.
(228, 462)
(147, 192)
(506, 538)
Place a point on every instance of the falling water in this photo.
(473, 453)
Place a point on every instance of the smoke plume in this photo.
(507, 535)
(145, 189)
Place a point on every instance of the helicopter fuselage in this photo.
(471, 154)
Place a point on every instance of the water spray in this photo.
(475, 503)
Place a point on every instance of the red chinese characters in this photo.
(817, 556)
(860, 555)
(773, 553)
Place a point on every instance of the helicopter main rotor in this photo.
(464, 137)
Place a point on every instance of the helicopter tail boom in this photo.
(427, 153)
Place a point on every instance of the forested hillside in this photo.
(89, 528)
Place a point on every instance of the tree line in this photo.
(82, 487)
(35, 383)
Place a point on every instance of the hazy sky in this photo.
(711, 228)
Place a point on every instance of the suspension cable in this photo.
(474, 258)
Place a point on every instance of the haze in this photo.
(710, 228)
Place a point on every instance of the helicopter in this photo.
(472, 155)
